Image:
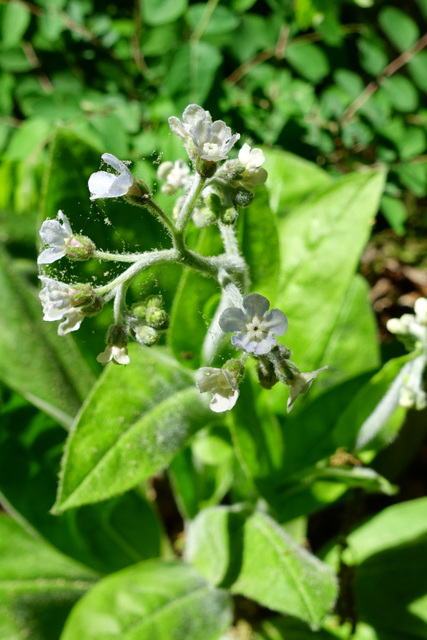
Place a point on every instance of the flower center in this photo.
(256, 329)
(210, 149)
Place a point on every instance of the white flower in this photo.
(115, 353)
(223, 386)
(420, 308)
(56, 235)
(300, 385)
(110, 185)
(256, 328)
(176, 175)
(251, 160)
(212, 140)
(57, 304)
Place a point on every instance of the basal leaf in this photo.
(136, 419)
(255, 557)
(153, 600)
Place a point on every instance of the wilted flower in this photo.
(300, 384)
(212, 140)
(116, 349)
(176, 175)
(111, 185)
(56, 298)
(222, 384)
(256, 328)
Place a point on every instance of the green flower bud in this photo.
(243, 198)
(147, 336)
(84, 297)
(79, 247)
(229, 216)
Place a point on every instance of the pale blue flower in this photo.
(256, 329)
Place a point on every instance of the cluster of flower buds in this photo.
(147, 320)
(411, 329)
(255, 330)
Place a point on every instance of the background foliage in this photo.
(341, 87)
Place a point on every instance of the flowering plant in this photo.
(239, 377)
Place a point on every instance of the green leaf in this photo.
(153, 600)
(390, 554)
(134, 422)
(14, 23)
(321, 243)
(280, 628)
(260, 245)
(44, 368)
(158, 12)
(417, 67)
(308, 60)
(353, 346)
(373, 404)
(395, 213)
(400, 28)
(255, 557)
(373, 58)
(38, 585)
(29, 138)
(221, 21)
(414, 177)
(192, 72)
(105, 537)
(401, 93)
(192, 306)
(291, 179)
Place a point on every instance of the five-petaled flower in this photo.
(256, 329)
(300, 384)
(57, 304)
(211, 140)
(223, 386)
(111, 185)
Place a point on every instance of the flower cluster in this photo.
(411, 329)
(213, 188)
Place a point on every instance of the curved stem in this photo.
(147, 259)
(229, 239)
(189, 203)
(120, 303)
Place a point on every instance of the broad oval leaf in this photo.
(38, 585)
(255, 557)
(152, 600)
(136, 419)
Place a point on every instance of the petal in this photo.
(52, 232)
(193, 113)
(114, 162)
(178, 128)
(72, 322)
(232, 319)
(120, 355)
(258, 348)
(244, 154)
(276, 322)
(100, 184)
(50, 255)
(65, 223)
(255, 305)
(220, 403)
(105, 356)
(206, 378)
(121, 185)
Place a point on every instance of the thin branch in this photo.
(371, 88)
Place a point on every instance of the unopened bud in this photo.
(243, 198)
(229, 216)
(147, 336)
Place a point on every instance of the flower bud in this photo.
(243, 197)
(147, 336)
(79, 248)
(229, 216)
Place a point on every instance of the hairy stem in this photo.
(189, 203)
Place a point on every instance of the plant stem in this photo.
(120, 303)
(116, 257)
(189, 204)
